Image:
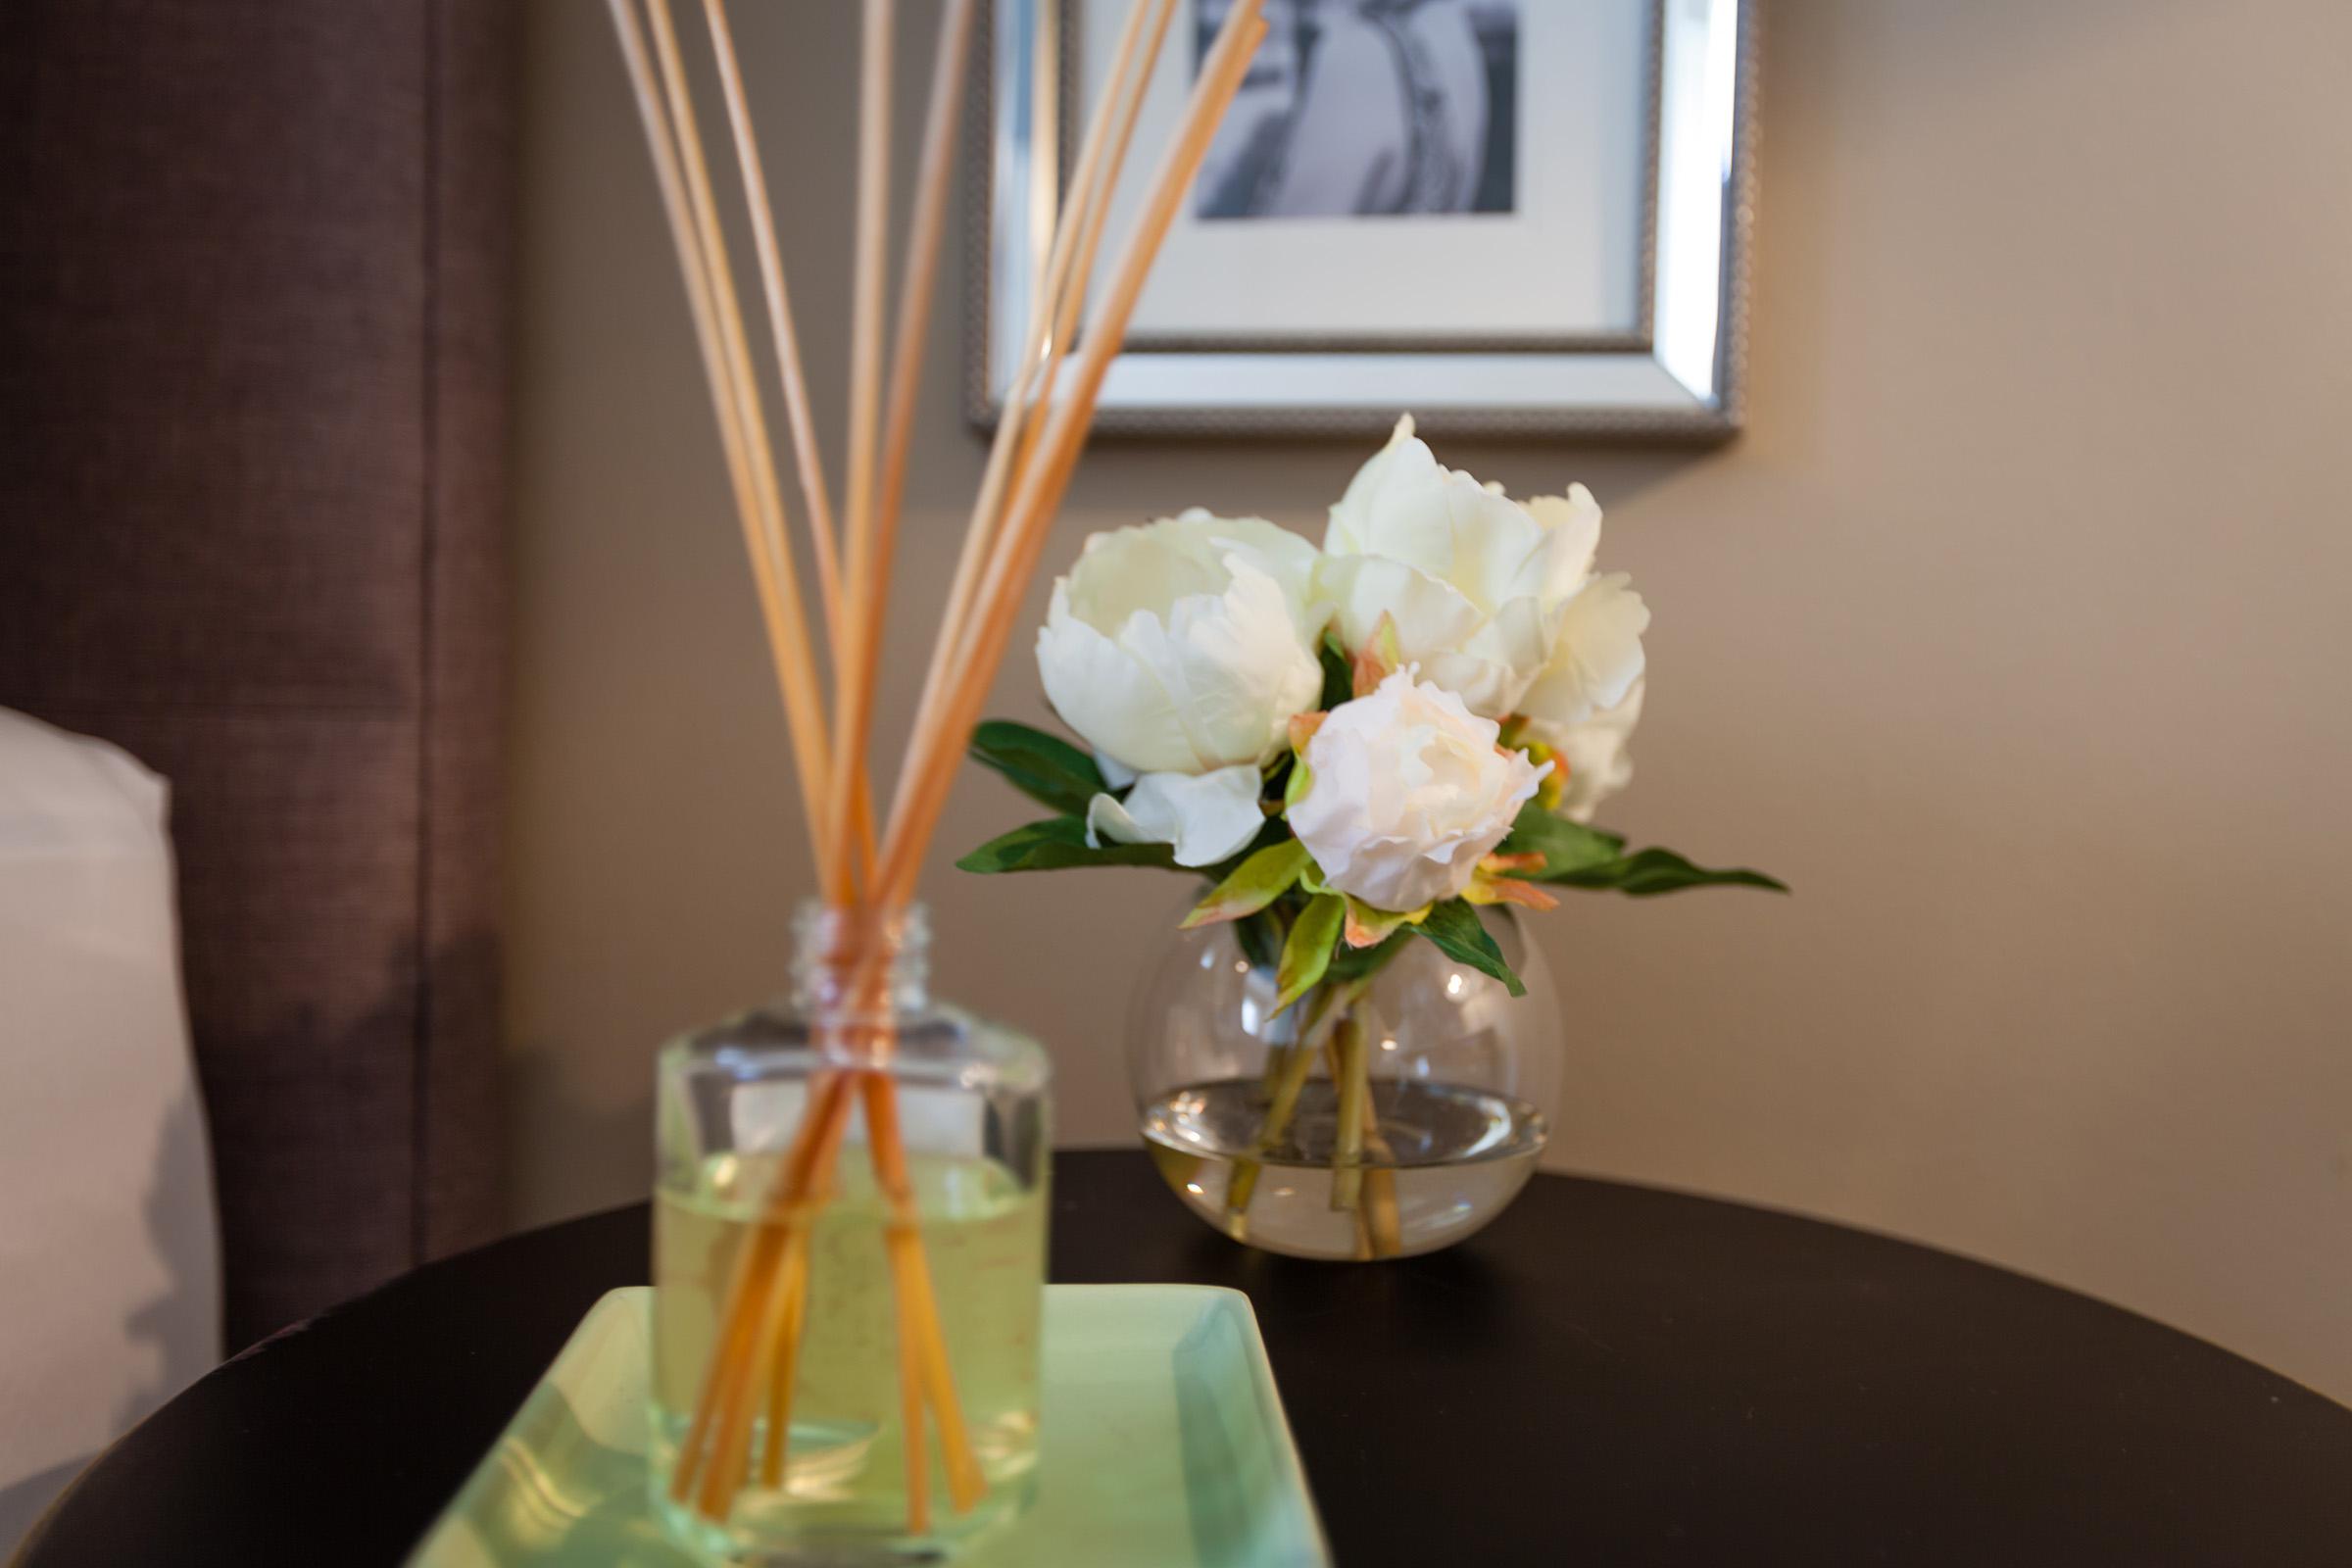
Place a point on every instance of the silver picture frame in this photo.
(1678, 378)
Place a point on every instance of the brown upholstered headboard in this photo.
(253, 258)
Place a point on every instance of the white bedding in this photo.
(109, 1246)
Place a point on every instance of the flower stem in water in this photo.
(1284, 1104)
(1354, 1097)
(1271, 1132)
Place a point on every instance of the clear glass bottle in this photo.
(972, 1117)
(1449, 1083)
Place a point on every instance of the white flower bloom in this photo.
(1597, 655)
(1407, 794)
(1207, 817)
(1481, 587)
(1594, 753)
(1185, 645)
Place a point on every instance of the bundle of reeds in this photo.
(868, 869)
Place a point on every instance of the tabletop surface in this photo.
(1608, 1374)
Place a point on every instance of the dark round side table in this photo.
(1609, 1375)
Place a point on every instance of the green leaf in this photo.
(1295, 788)
(1255, 883)
(1459, 934)
(1261, 937)
(1580, 856)
(1646, 873)
(1045, 767)
(1056, 844)
(1272, 833)
(1339, 672)
(1357, 963)
(1565, 846)
(1308, 952)
(1368, 927)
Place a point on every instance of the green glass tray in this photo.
(1165, 1446)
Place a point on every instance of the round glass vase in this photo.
(1361, 1122)
(827, 1129)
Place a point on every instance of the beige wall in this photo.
(2013, 633)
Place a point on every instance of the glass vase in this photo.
(811, 1461)
(1367, 1120)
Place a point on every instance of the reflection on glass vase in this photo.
(1373, 1120)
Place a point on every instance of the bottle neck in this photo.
(858, 964)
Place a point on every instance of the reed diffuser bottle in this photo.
(850, 1206)
(846, 1357)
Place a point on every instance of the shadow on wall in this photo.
(179, 1325)
(354, 1134)
(171, 1335)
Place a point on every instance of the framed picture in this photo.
(1509, 217)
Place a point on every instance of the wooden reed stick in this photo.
(766, 1319)
(763, 1327)
(723, 1477)
(807, 458)
(740, 1362)
(779, 597)
(752, 414)
(923, 1350)
(797, 661)
(759, 1342)
(870, 579)
(783, 1231)
(1091, 179)
(755, 1268)
(883, 1140)
(922, 783)
(854, 696)
(832, 845)
(1090, 238)
(795, 1277)
(934, 184)
(911, 1396)
(913, 821)
(1022, 417)
(933, 753)
(831, 1112)
(868, 282)
(871, 278)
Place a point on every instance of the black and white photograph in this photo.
(1518, 213)
(1369, 109)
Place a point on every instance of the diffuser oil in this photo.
(845, 1468)
(867, 1325)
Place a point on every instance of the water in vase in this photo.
(1442, 1161)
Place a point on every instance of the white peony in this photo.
(1485, 590)
(1207, 817)
(1596, 659)
(1406, 794)
(1593, 754)
(1184, 648)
